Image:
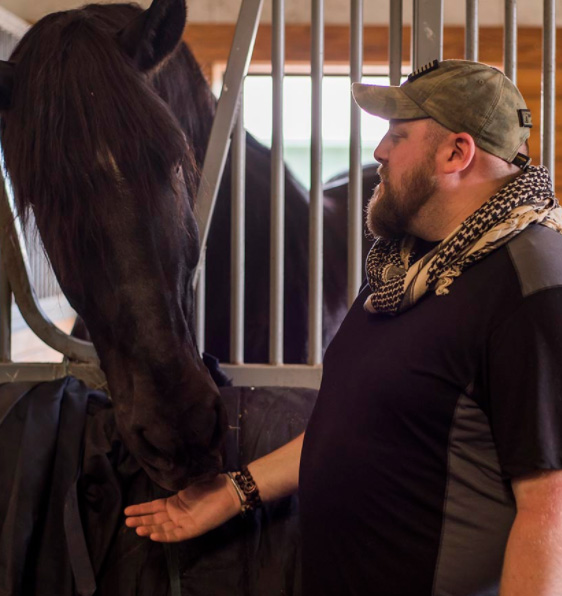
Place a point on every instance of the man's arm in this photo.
(533, 557)
(202, 507)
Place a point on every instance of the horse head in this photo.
(97, 155)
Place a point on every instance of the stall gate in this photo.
(228, 128)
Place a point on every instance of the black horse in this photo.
(183, 87)
(106, 117)
(111, 171)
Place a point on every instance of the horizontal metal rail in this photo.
(39, 372)
(269, 375)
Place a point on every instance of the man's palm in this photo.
(187, 514)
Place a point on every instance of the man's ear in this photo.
(6, 84)
(154, 34)
(460, 151)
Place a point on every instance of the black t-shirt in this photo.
(422, 418)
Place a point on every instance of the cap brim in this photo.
(386, 102)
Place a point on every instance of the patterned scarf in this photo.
(398, 281)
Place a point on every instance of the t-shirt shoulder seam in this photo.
(528, 260)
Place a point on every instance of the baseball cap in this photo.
(463, 96)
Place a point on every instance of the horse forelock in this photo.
(85, 128)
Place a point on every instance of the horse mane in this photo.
(83, 123)
(182, 85)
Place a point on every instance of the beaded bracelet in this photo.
(246, 489)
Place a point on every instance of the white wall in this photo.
(297, 11)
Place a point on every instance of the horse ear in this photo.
(155, 33)
(6, 84)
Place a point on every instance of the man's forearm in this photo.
(277, 474)
(533, 557)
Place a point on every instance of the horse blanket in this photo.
(67, 477)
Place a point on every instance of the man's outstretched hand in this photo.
(203, 507)
(189, 513)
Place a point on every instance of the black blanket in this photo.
(67, 477)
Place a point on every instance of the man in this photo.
(431, 463)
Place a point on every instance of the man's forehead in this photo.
(394, 123)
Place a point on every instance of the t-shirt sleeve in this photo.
(525, 381)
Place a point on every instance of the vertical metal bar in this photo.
(510, 40)
(548, 97)
(237, 239)
(427, 32)
(5, 316)
(355, 207)
(395, 42)
(471, 31)
(200, 307)
(315, 245)
(225, 116)
(276, 291)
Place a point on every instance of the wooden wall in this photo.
(211, 45)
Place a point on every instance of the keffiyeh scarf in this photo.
(398, 281)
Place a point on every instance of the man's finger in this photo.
(176, 535)
(148, 507)
(148, 520)
(168, 528)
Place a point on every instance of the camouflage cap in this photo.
(463, 96)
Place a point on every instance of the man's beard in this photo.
(391, 210)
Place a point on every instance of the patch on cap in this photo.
(521, 161)
(423, 70)
(525, 118)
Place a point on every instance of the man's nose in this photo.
(380, 153)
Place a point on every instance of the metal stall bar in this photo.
(219, 142)
(17, 270)
(510, 40)
(276, 288)
(316, 239)
(237, 239)
(548, 123)
(395, 42)
(90, 373)
(200, 303)
(5, 316)
(427, 32)
(355, 206)
(471, 31)
(225, 116)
